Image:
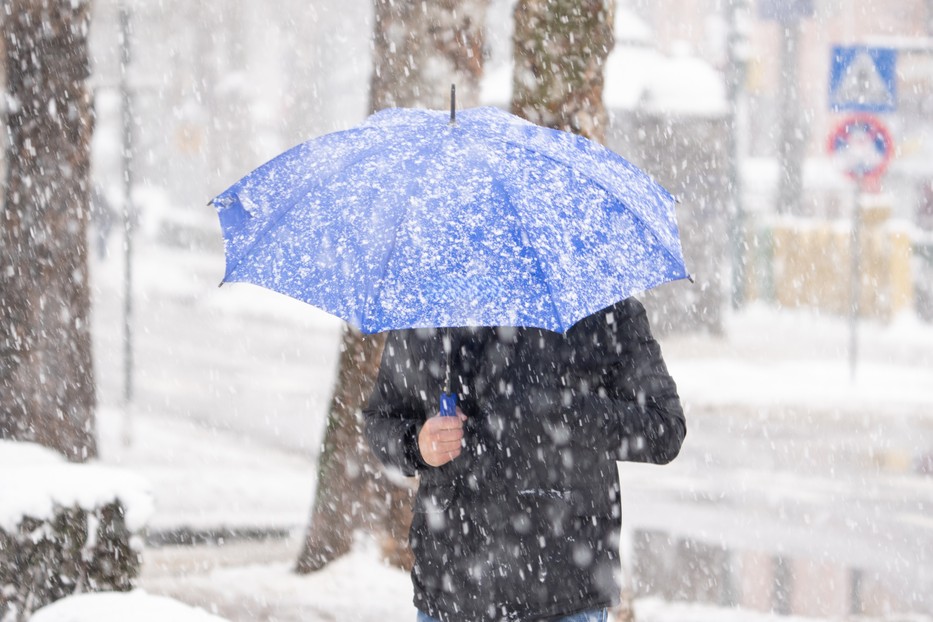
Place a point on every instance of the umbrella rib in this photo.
(272, 223)
(541, 265)
(371, 290)
(638, 216)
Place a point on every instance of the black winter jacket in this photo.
(524, 524)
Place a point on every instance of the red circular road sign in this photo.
(863, 145)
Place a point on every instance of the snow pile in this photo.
(242, 583)
(205, 478)
(656, 610)
(36, 481)
(496, 86)
(800, 359)
(630, 29)
(137, 606)
(13, 454)
(640, 77)
(65, 528)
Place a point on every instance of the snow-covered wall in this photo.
(137, 606)
(65, 528)
(37, 481)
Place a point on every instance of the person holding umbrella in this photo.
(501, 258)
(518, 510)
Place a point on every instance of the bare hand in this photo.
(441, 439)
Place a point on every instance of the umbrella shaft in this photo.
(447, 348)
(453, 103)
(448, 405)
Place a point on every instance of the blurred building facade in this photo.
(219, 89)
(901, 266)
(906, 25)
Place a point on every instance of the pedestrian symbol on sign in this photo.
(863, 79)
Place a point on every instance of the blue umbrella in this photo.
(420, 219)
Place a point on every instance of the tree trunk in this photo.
(560, 48)
(347, 486)
(46, 371)
(419, 50)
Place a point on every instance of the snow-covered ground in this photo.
(107, 607)
(787, 454)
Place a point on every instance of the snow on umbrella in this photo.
(420, 219)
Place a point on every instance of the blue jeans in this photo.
(593, 615)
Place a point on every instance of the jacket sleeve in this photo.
(392, 418)
(637, 399)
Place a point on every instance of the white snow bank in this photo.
(35, 483)
(627, 73)
(357, 587)
(206, 478)
(137, 606)
(656, 610)
(638, 76)
(680, 85)
(14, 454)
(800, 358)
(629, 28)
(496, 86)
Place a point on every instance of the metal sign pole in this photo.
(126, 105)
(871, 149)
(734, 85)
(862, 79)
(855, 277)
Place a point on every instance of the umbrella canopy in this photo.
(415, 220)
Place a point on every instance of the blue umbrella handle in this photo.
(448, 404)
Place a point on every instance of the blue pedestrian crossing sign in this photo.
(863, 79)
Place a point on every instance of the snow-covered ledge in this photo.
(65, 528)
(137, 606)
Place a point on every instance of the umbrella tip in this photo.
(690, 278)
(453, 103)
(221, 284)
